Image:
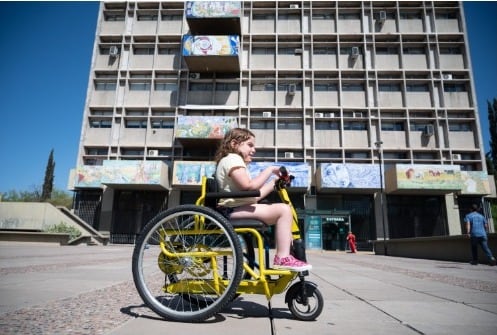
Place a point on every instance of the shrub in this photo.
(64, 228)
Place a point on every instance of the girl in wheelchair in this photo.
(233, 155)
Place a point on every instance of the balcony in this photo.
(211, 53)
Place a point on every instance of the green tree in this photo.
(59, 197)
(491, 156)
(46, 192)
(492, 127)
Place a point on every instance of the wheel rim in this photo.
(185, 284)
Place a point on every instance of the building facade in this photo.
(371, 104)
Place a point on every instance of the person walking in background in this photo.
(476, 229)
(351, 240)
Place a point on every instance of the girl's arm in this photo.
(241, 178)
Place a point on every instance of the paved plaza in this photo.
(51, 289)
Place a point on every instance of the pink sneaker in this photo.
(290, 263)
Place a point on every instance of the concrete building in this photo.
(371, 105)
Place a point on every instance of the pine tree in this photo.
(49, 178)
(492, 126)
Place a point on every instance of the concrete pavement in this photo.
(51, 289)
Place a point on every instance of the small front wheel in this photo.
(305, 301)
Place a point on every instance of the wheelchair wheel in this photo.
(304, 300)
(187, 263)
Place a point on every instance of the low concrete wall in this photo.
(36, 217)
(23, 236)
(445, 248)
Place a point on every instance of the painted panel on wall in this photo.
(301, 171)
(475, 182)
(122, 173)
(338, 175)
(433, 177)
(191, 172)
(198, 9)
(204, 126)
(88, 176)
(210, 45)
(132, 172)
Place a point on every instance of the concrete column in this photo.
(453, 218)
(106, 211)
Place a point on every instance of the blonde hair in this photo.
(238, 135)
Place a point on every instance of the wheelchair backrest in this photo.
(211, 187)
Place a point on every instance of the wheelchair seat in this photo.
(248, 223)
(212, 188)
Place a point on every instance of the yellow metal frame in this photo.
(264, 281)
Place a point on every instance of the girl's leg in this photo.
(278, 214)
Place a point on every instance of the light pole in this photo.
(380, 156)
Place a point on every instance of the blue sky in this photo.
(46, 50)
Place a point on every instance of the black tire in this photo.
(181, 288)
(304, 306)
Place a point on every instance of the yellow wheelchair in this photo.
(190, 261)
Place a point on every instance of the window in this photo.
(135, 123)
(392, 126)
(322, 16)
(418, 126)
(263, 16)
(96, 151)
(446, 15)
(450, 51)
(327, 125)
(286, 17)
(201, 86)
(324, 51)
(167, 51)
(286, 87)
(263, 87)
(417, 88)
(414, 50)
(261, 124)
(114, 16)
(164, 124)
(143, 50)
(389, 87)
(349, 16)
(325, 87)
(451, 88)
(229, 87)
(105, 86)
(140, 75)
(410, 15)
(106, 75)
(139, 86)
(356, 155)
(460, 126)
(348, 50)
(354, 125)
(171, 17)
(263, 51)
(286, 51)
(386, 50)
(352, 87)
(131, 152)
(136, 112)
(106, 112)
(147, 17)
(95, 123)
(165, 87)
(287, 124)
